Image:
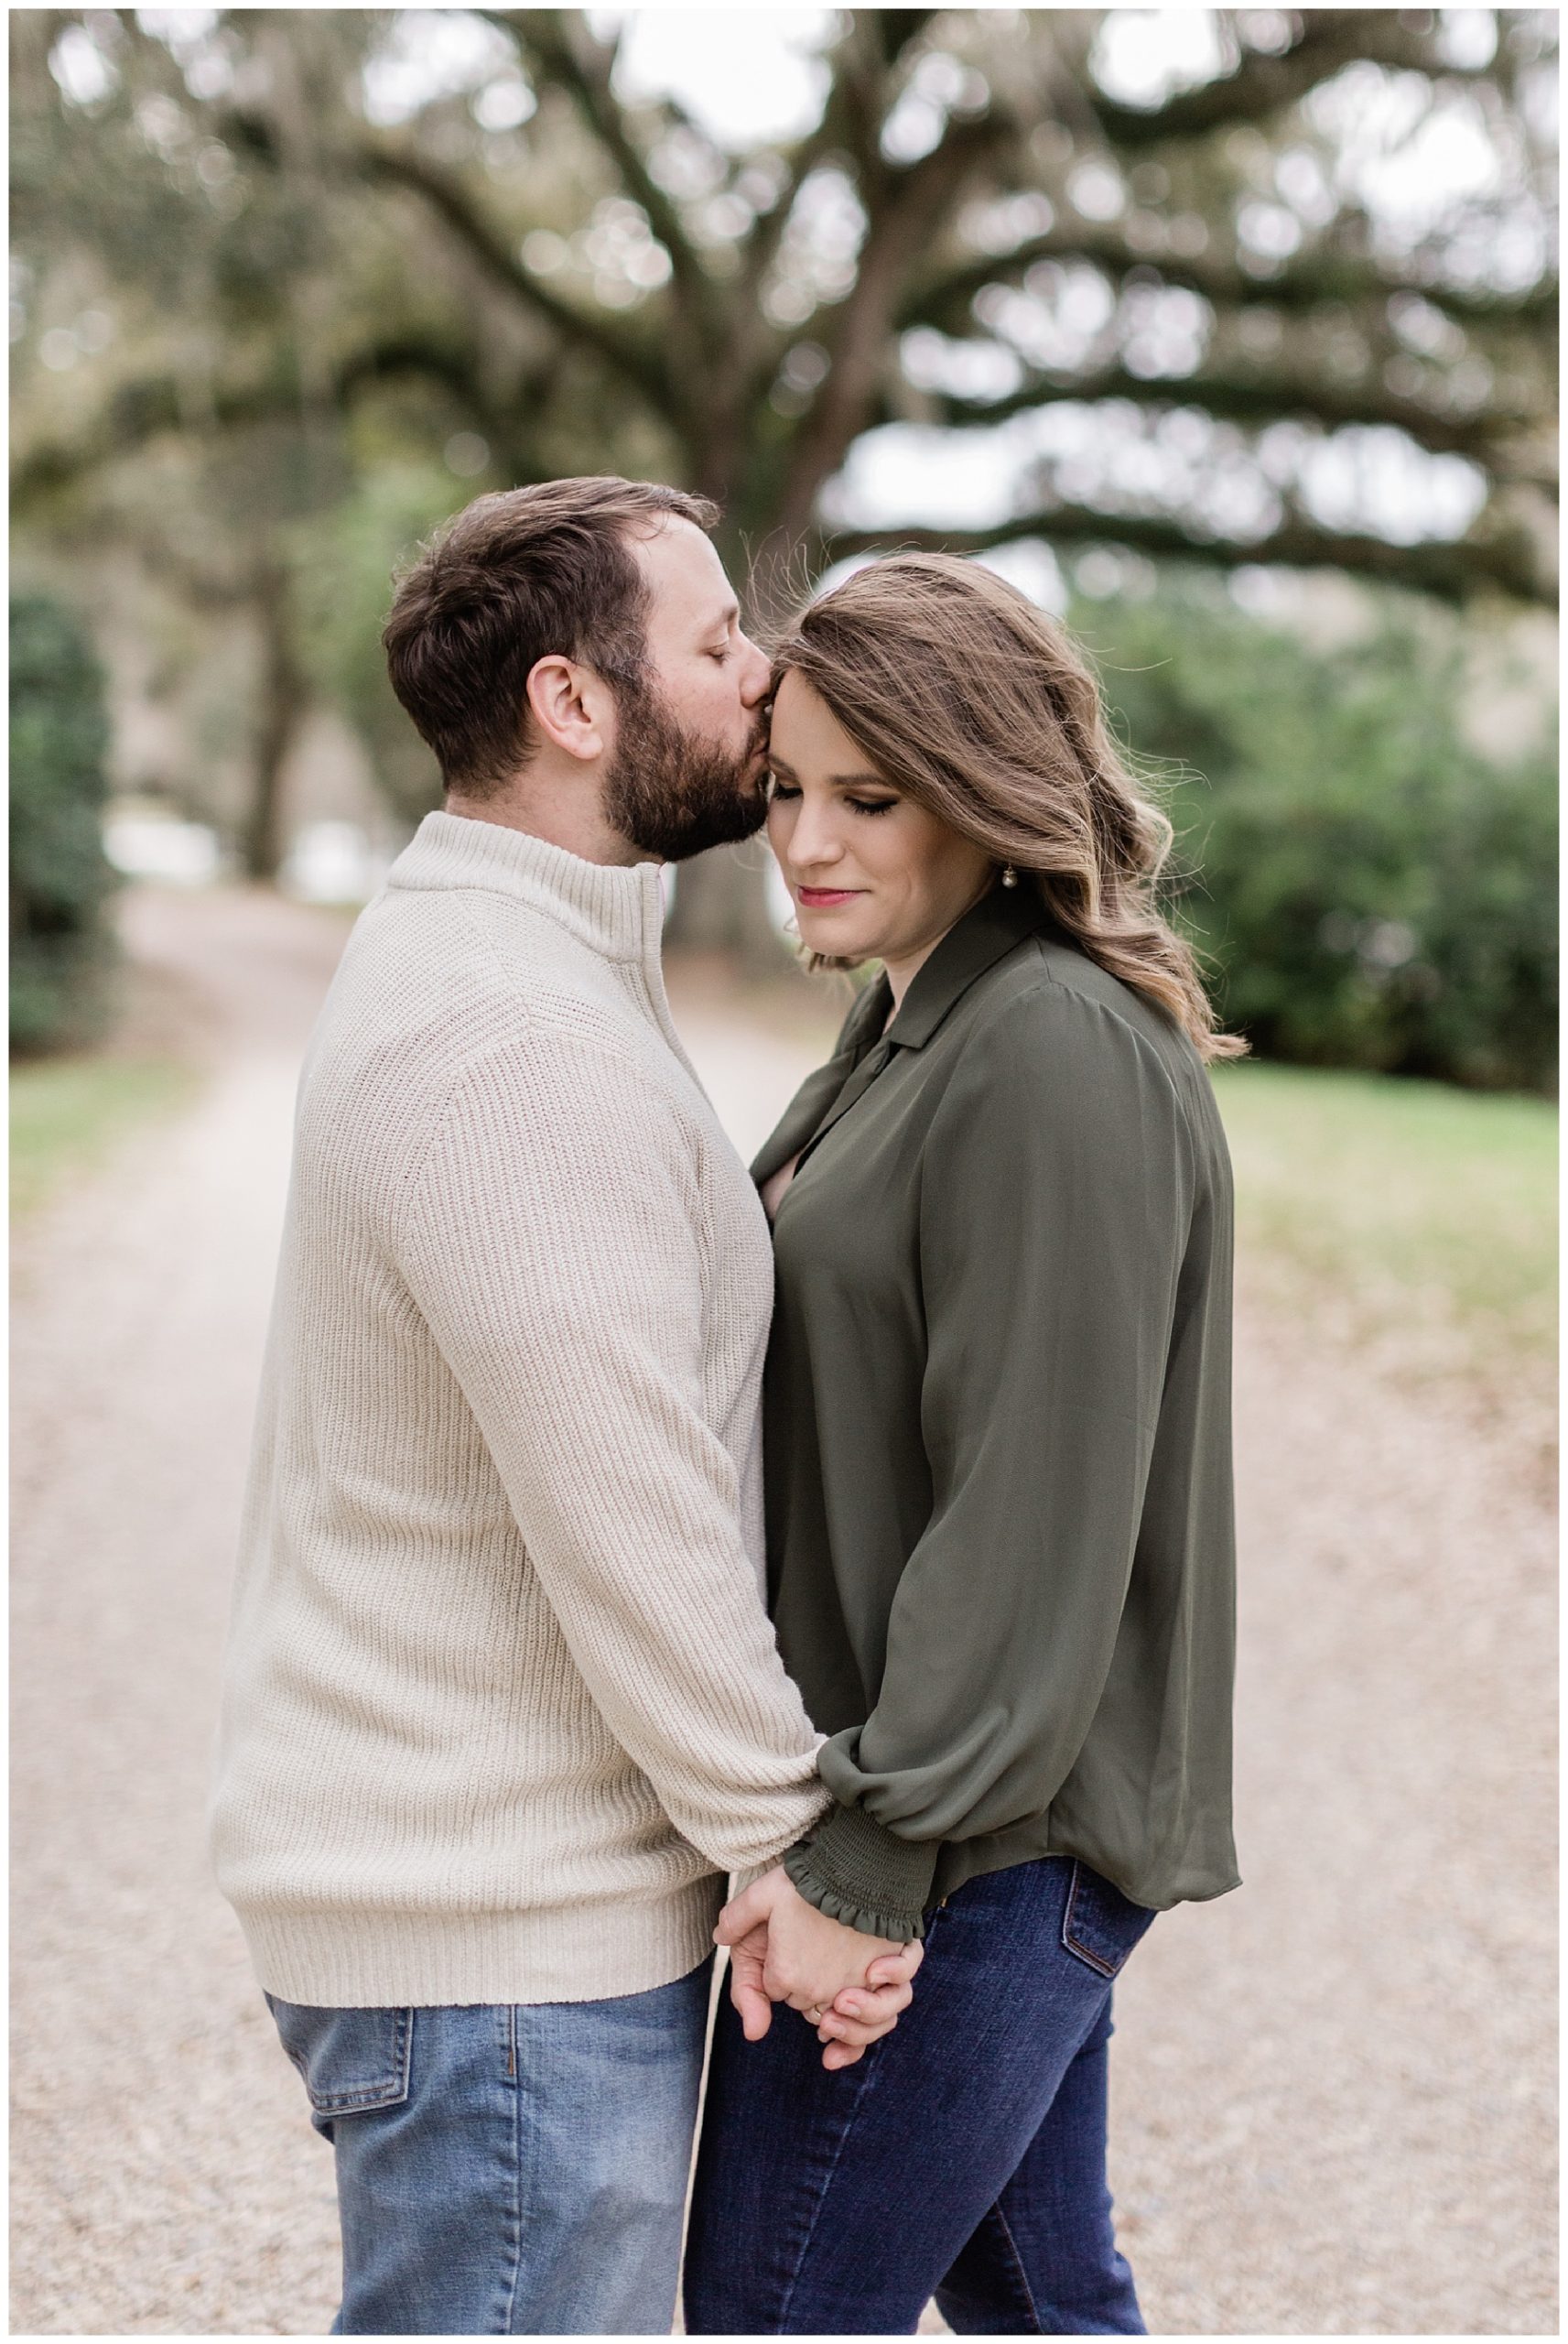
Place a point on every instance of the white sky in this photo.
(745, 74)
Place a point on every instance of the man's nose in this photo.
(757, 674)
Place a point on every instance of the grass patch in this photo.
(68, 1114)
(1414, 1209)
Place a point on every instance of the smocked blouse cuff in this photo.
(856, 1871)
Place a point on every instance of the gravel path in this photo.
(1333, 2090)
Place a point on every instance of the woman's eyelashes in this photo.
(779, 793)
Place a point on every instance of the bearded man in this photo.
(502, 1703)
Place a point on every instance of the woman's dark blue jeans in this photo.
(963, 2157)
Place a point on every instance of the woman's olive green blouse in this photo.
(1001, 1549)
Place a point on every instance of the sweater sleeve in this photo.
(1057, 1185)
(551, 1239)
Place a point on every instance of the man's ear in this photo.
(571, 706)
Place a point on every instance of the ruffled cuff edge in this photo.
(857, 1872)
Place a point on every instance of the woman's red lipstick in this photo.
(820, 898)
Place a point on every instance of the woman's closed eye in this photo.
(781, 792)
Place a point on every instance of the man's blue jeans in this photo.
(963, 2157)
(508, 2169)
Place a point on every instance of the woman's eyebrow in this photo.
(835, 780)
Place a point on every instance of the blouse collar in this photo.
(987, 933)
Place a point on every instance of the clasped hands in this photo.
(782, 1949)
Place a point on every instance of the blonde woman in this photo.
(997, 1455)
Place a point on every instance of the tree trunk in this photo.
(282, 705)
(722, 907)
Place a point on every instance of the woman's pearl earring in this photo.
(1008, 876)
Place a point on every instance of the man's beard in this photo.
(673, 793)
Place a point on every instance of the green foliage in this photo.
(1369, 890)
(343, 565)
(60, 877)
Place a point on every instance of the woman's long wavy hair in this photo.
(974, 704)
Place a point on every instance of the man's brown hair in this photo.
(512, 578)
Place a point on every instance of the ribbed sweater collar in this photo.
(617, 910)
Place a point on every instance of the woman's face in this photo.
(873, 876)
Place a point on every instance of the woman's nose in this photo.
(814, 840)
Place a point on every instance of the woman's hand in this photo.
(858, 2016)
(849, 1985)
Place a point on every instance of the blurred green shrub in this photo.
(1369, 891)
(60, 878)
(344, 562)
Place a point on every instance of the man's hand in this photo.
(850, 1985)
(858, 2016)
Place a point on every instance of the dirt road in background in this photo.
(1333, 2090)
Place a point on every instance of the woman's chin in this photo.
(836, 940)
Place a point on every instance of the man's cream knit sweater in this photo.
(502, 1700)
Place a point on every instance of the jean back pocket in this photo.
(351, 2060)
(1101, 1924)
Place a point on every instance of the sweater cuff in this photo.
(856, 1871)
